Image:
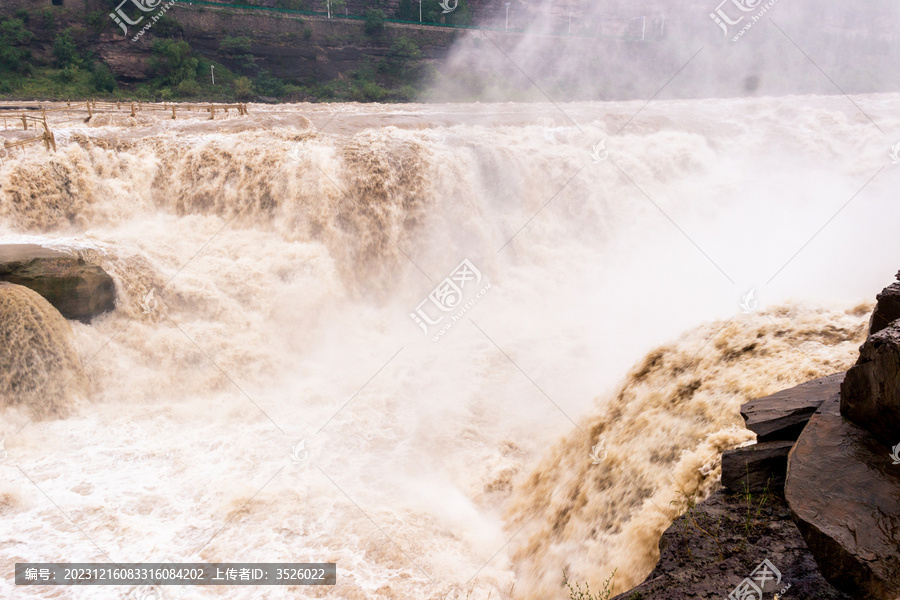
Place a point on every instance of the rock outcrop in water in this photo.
(79, 290)
(870, 395)
(39, 368)
(783, 415)
(887, 310)
(777, 421)
(757, 468)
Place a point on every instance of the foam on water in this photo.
(280, 313)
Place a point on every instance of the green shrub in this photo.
(372, 92)
(188, 87)
(267, 84)
(13, 37)
(234, 45)
(374, 22)
(406, 12)
(242, 88)
(167, 27)
(433, 13)
(400, 59)
(461, 16)
(238, 49)
(173, 61)
(47, 20)
(64, 50)
(68, 74)
(102, 78)
(97, 20)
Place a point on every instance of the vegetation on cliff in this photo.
(52, 55)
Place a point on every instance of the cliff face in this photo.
(296, 48)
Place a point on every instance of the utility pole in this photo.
(507, 15)
(420, 11)
(212, 73)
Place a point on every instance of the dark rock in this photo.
(844, 494)
(695, 565)
(756, 468)
(870, 394)
(783, 415)
(77, 289)
(887, 310)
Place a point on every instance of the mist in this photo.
(576, 50)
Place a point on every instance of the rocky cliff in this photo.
(812, 510)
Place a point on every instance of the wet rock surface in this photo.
(887, 309)
(870, 394)
(756, 468)
(783, 415)
(695, 565)
(843, 490)
(78, 290)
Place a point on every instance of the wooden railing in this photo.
(46, 137)
(92, 107)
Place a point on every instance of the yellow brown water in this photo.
(285, 252)
(39, 368)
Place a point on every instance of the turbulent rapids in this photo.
(273, 401)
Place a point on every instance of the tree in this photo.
(242, 88)
(13, 36)
(267, 84)
(374, 22)
(400, 59)
(174, 60)
(64, 50)
(406, 12)
(188, 87)
(238, 49)
(461, 15)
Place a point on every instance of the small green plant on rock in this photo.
(693, 518)
(576, 593)
(755, 505)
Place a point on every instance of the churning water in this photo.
(286, 251)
